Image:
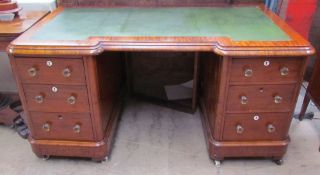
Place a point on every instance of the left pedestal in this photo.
(72, 104)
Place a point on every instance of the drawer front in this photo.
(51, 70)
(61, 126)
(252, 127)
(56, 98)
(266, 98)
(265, 70)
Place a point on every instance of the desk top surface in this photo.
(180, 28)
(238, 23)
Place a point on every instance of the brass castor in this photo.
(217, 163)
(99, 160)
(278, 161)
(45, 157)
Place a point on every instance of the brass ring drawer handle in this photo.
(66, 72)
(71, 100)
(77, 128)
(284, 71)
(46, 127)
(248, 72)
(39, 98)
(32, 72)
(244, 99)
(277, 99)
(271, 128)
(239, 129)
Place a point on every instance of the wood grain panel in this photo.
(210, 72)
(111, 82)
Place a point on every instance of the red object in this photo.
(300, 15)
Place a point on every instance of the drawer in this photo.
(252, 127)
(245, 70)
(61, 126)
(56, 98)
(51, 70)
(263, 98)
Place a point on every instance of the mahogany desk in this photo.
(69, 68)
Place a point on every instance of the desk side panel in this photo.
(213, 83)
(105, 80)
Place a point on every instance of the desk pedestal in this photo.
(247, 104)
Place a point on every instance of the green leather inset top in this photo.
(237, 23)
